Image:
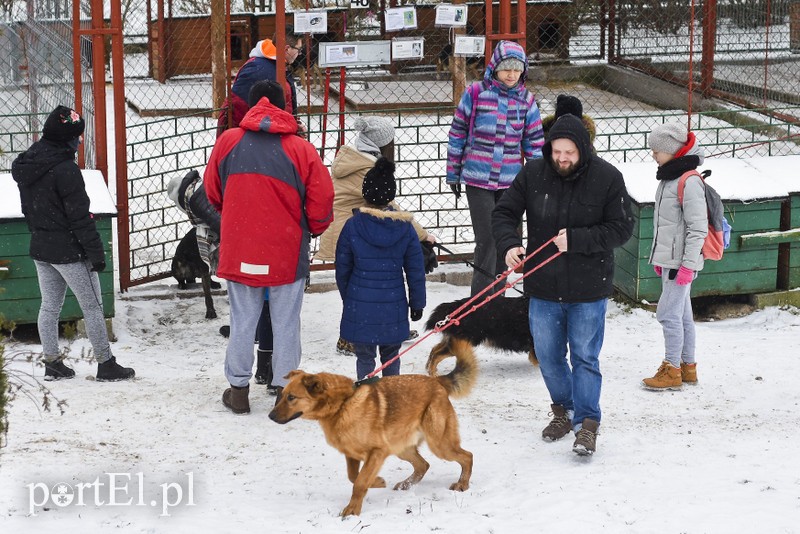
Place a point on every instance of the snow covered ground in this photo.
(717, 457)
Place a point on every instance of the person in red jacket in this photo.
(274, 194)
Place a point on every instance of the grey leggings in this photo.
(54, 278)
(674, 312)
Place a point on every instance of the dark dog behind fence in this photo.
(187, 265)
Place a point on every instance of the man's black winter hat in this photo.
(63, 124)
(379, 187)
(568, 104)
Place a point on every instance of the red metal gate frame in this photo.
(98, 33)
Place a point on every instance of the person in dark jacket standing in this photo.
(581, 200)
(263, 66)
(65, 245)
(274, 193)
(376, 246)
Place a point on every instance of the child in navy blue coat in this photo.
(377, 245)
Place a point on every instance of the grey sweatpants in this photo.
(54, 278)
(285, 303)
(674, 312)
(481, 203)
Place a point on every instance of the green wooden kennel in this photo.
(754, 194)
(19, 288)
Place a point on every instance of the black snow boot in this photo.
(264, 367)
(56, 370)
(111, 371)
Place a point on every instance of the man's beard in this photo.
(565, 171)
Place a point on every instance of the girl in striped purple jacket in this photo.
(496, 123)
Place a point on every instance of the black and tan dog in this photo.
(501, 323)
(187, 265)
(392, 416)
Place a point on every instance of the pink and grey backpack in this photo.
(719, 231)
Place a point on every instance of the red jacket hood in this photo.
(268, 118)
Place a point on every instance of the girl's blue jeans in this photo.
(365, 359)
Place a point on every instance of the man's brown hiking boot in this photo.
(586, 438)
(560, 426)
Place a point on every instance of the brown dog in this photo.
(393, 415)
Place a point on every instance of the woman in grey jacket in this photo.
(679, 230)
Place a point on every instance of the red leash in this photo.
(455, 318)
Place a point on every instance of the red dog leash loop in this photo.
(455, 318)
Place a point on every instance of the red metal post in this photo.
(342, 103)
(99, 88)
(487, 55)
(280, 41)
(325, 99)
(120, 144)
(504, 31)
(162, 42)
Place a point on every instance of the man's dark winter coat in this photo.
(592, 204)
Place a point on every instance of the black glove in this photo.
(416, 315)
(456, 188)
(98, 266)
(430, 256)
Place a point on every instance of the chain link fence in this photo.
(631, 63)
(38, 72)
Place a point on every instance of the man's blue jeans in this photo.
(581, 326)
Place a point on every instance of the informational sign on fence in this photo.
(355, 53)
(359, 4)
(450, 15)
(311, 22)
(467, 45)
(408, 48)
(401, 18)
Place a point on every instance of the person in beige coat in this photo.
(375, 139)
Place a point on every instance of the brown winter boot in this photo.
(667, 377)
(586, 438)
(236, 399)
(689, 373)
(560, 426)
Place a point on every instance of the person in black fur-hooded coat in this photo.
(376, 247)
(568, 104)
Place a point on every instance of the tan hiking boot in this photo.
(667, 377)
(586, 438)
(560, 426)
(236, 399)
(689, 373)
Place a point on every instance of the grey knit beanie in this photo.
(173, 188)
(510, 63)
(379, 130)
(668, 138)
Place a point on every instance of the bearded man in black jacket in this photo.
(576, 197)
(65, 244)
